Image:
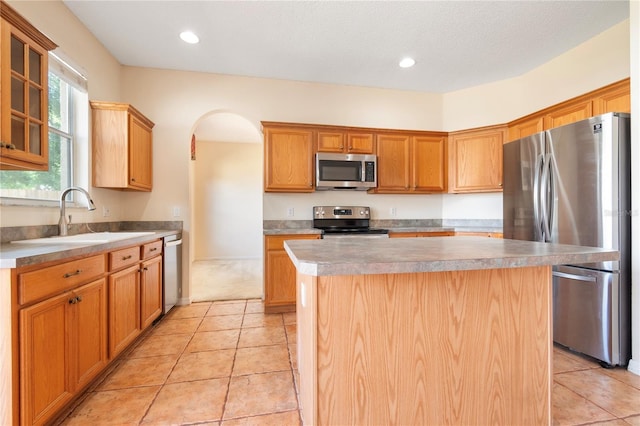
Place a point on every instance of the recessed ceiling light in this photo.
(189, 37)
(407, 62)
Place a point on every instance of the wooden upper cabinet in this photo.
(122, 147)
(615, 97)
(24, 113)
(525, 127)
(288, 156)
(567, 113)
(429, 166)
(360, 143)
(329, 141)
(394, 162)
(409, 163)
(345, 142)
(475, 159)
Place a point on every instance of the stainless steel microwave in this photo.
(345, 171)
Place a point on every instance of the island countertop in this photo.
(406, 255)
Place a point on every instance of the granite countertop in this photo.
(406, 255)
(15, 255)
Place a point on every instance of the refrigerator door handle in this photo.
(574, 277)
(551, 193)
(537, 198)
(544, 207)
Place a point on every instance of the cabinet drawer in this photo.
(151, 249)
(48, 281)
(125, 257)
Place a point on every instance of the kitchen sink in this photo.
(88, 238)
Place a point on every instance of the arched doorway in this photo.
(226, 208)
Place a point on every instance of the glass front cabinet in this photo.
(24, 93)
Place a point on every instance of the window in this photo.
(68, 137)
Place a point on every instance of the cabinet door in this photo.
(428, 166)
(616, 98)
(393, 163)
(89, 327)
(140, 155)
(124, 309)
(567, 114)
(23, 112)
(476, 160)
(525, 128)
(360, 143)
(330, 141)
(44, 342)
(288, 160)
(150, 291)
(280, 273)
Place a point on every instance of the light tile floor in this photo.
(228, 363)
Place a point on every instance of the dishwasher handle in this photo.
(173, 243)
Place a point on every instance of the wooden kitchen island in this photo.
(427, 331)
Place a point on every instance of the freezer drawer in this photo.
(586, 313)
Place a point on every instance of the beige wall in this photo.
(227, 200)
(595, 63)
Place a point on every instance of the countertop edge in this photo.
(344, 265)
(33, 255)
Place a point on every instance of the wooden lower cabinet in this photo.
(71, 319)
(135, 293)
(124, 309)
(279, 271)
(150, 291)
(63, 345)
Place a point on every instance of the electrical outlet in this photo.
(393, 211)
(290, 212)
(105, 211)
(176, 211)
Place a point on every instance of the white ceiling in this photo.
(456, 44)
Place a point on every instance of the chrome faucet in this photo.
(63, 224)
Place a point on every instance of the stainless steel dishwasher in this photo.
(172, 271)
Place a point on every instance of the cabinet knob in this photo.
(133, 179)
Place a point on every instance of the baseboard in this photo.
(634, 367)
(183, 301)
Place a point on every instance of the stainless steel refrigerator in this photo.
(572, 185)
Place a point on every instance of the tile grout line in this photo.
(233, 364)
(174, 365)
